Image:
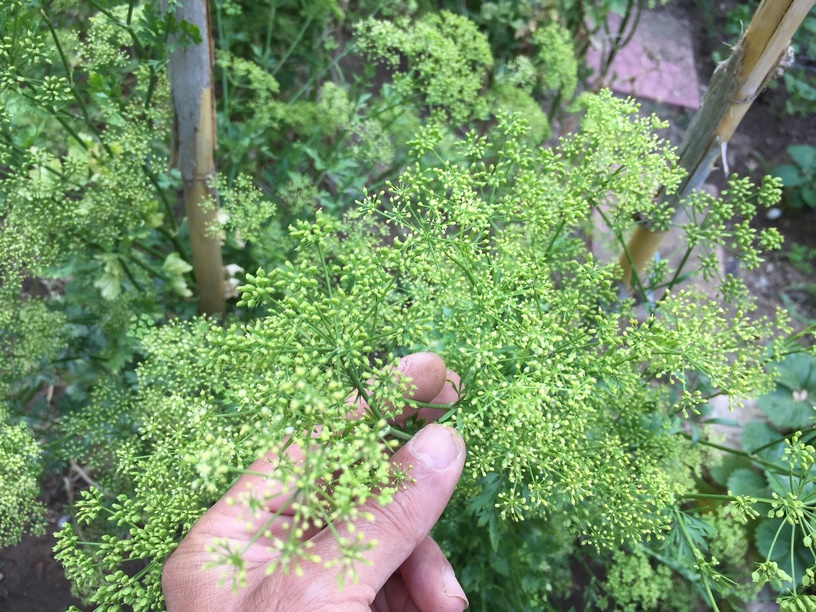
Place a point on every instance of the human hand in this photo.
(406, 569)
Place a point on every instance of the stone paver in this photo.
(658, 63)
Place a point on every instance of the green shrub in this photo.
(20, 472)
(474, 257)
(379, 212)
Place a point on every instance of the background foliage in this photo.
(388, 182)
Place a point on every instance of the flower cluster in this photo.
(570, 404)
(448, 58)
(20, 471)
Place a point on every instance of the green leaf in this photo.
(790, 405)
(803, 156)
(764, 539)
(784, 411)
(785, 485)
(808, 195)
(110, 283)
(758, 435)
(790, 175)
(747, 482)
(192, 31)
(177, 268)
(804, 367)
(687, 532)
(175, 265)
(726, 422)
(723, 470)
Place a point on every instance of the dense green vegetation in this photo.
(388, 182)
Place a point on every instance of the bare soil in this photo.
(30, 579)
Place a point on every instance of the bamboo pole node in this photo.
(747, 99)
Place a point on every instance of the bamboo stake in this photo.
(735, 84)
(190, 70)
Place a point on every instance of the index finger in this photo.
(429, 381)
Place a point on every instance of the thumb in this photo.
(435, 457)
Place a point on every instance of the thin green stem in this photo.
(222, 43)
(723, 498)
(472, 279)
(317, 75)
(792, 551)
(148, 268)
(677, 273)
(767, 464)
(557, 233)
(19, 150)
(270, 23)
(681, 523)
(165, 202)
(399, 433)
(71, 131)
(173, 238)
(358, 385)
(58, 46)
(773, 542)
(271, 520)
(82, 107)
(125, 26)
(449, 414)
(625, 247)
(151, 86)
(130, 276)
(417, 404)
(14, 21)
(619, 41)
(712, 496)
(294, 45)
(149, 249)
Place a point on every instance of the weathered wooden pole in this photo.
(760, 53)
(190, 71)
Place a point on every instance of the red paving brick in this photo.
(658, 63)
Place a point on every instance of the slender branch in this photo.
(398, 433)
(767, 464)
(125, 26)
(294, 44)
(129, 274)
(82, 107)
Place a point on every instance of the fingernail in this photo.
(452, 586)
(436, 446)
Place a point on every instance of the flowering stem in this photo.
(399, 433)
(703, 578)
(168, 209)
(358, 385)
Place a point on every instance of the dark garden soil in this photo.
(30, 579)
